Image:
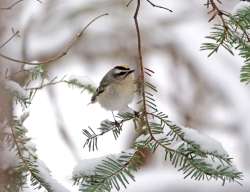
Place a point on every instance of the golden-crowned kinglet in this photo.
(116, 89)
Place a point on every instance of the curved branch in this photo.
(11, 5)
(158, 6)
(127, 5)
(10, 38)
(14, 4)
(60, 54)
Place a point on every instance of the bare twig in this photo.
(215, 11)
(158, 6)
(141, 67)
(60, 54)
(127, 5)
(8, 40)
(11, 5)
(15, 4)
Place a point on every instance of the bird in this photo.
(116, 89)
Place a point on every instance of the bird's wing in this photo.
(99, 90)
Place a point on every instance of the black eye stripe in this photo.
(120, 73)
(121, 68)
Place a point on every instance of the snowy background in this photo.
(195, 91)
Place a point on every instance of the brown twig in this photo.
(14, 4)
(141, 67)
(127, 5)
(158, 6)
(217, 12)
(10, 38)
(60, 54)
(11, 5)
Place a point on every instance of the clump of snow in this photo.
(240, 6)
(206, 143)
(44, 173)
(28, 67)
(87, 166)
(15, 89)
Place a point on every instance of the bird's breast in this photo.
(117, 95)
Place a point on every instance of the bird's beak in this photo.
(131, 71)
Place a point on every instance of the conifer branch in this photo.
(106, 126)
(191, 159)
(113, 172)
(232, 34)
(29, 161)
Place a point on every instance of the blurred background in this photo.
(194, 90)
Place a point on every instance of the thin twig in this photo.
(15, 4)
(216, 11)
(60, 54)
(127, 5)
(11, 5)
(141, 67)
(52, 82)
(158, 6)
(10, 38)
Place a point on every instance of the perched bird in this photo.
(116, 89)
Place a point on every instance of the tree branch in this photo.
(10, 38)
(127, 5)
(141, 67)
(158, 6)
(60, 54)
(14, 4)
